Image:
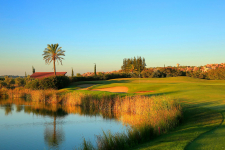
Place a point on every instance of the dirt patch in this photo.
(144, 91)
(117, 89)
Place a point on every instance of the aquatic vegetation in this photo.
(147, 116)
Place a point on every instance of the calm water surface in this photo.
(26, 125)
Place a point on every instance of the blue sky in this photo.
(104, 32)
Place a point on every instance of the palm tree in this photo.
(53, 53)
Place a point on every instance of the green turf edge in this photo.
(196, 122)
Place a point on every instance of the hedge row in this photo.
(100, 76)
(161, 73)
(53, 82)
(58, 82)
(214, 74)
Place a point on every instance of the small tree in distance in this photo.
(95, 69)
(33, 69)
(79, 75)
(72, 74)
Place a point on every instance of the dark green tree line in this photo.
(133, 64)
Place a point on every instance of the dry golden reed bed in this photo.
(49, 96)
(136, 110)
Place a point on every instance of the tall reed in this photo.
(147, 116)
(49, 96)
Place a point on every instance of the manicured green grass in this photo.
(196, 122)
(203, 101)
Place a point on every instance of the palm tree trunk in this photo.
(54, 67)
(54, 133)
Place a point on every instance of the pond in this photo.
(28, 125)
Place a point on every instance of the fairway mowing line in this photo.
(144, 91)
(206, 132)
(85, 85)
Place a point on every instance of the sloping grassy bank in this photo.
(196, 122)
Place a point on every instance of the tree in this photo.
(132, 68)
(95, 69)
(131, 64)
(72, 74)
(53, 53)
(33, 69)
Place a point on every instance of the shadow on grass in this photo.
(75, 85)
(162, 93)
(211, 139)
(217, 104)
(196, 121)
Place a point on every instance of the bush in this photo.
(53, 82)
(20, 81)
(34, 84)
(79, 75)
(157, 74)
(9, 80)
(213, 74)
(100, 76)
(162, 72)
(216, 74)
(3, 84)
(147, 73)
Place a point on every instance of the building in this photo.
(39, 75)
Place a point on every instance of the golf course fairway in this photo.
(203, 102)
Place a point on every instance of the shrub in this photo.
(216, 74)
(9, 80)
(79, 75)
(213, 74)
(162, 72)
(147, 73)
(3, 84)
(156, 74)
(100, 76)
(34, 84)
(53, 82)
(20, 81)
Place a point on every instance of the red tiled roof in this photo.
(39, 75)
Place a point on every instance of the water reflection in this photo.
(54, 133)
(8, 108)
(53, 110)
(19, 108)
(53, 136)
